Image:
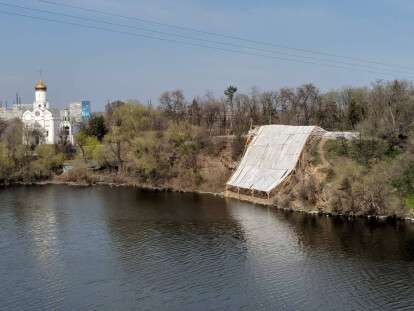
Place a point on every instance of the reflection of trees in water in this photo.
(140, 220)
(33, 232)
(371, 238)
(157, 247)
(149, 230)
(32, 206)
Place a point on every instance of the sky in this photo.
(82, 63)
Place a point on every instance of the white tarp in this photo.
(270, 157)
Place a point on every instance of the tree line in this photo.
(384, 106)
(172, 141)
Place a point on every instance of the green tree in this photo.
(48, 161)
(229, 92)
(148, 157)
(87, 145)
(115, 140)
(96, 127)
(7, 165)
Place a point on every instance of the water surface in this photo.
(69, 248)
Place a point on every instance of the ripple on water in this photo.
(111, 249)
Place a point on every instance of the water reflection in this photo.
(183, 237)
(117, 248)
(375, 239)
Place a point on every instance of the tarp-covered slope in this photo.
(270, 157)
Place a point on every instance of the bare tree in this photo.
(307, 98)
(268, 101)
(211, 113)
(194, 112)
(173, 104)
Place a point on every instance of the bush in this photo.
(363, 151)
(49, 160)
(307, 190)
(409, 201)
(79, 174)
(214, 148)
(404, 181)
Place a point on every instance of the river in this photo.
(102, 248)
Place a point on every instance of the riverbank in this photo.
(321, 183)
(328, 181)
(57, 181)
(298, 209)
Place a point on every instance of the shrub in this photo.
(404, 181)
(308, 190)
(409, 201)
(79, 174)
(48, 161)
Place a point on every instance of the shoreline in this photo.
(216, 194)
(113, 184)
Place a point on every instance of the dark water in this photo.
(65, 248)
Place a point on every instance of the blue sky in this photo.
(90, 64)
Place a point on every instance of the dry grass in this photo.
(79, 175)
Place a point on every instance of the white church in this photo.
(44, 119)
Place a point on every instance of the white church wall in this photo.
(48, 120)
(40, 97)
(40, 117)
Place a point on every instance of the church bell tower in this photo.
(40, 96)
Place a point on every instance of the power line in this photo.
(189, 43)
(228, 36)
(205, 40)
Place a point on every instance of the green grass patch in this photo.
(362, 151)
(409, 201)
(334, 149)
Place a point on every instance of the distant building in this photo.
(8, 114)
(80, 111)
(75, 110)
(86, 110)
(16, 111)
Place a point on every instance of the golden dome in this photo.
(40, 86)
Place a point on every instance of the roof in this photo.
(40, 86)
(270, 157)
